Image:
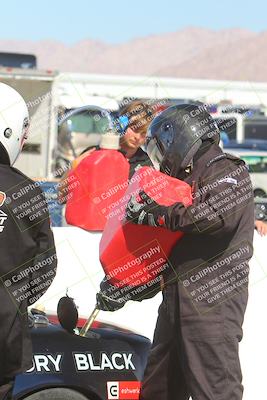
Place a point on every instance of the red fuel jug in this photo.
(135, 255)
(94, 186)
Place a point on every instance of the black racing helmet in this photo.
(176, 135)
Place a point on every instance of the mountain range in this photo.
(234, 54)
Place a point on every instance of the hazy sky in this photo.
(116, 21)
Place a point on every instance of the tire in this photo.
(57, 394)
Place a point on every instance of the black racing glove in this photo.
(147, 212)
(105, 298)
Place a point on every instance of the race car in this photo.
(105, 364)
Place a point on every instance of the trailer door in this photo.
(36, 91)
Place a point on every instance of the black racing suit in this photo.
(27, 267)
(195, 347)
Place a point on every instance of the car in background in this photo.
(257, 163)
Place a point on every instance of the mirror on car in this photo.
(67, 313)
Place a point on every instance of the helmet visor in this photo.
(158, 142)
(154, 153)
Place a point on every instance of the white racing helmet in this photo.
(14, 122)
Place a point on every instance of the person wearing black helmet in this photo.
(199, 327)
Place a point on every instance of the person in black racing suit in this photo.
(199, 327)
(28, 257)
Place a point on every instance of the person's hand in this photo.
(77, 160)
(105, 300)
(146, 211)
(261, 227)
(105, 303)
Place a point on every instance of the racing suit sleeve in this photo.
(217, 208)
(219, 199)
(44, 266)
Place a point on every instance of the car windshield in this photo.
(89, 122)
(80, 129)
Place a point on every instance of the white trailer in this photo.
(154, 87)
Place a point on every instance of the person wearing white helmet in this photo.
(28, 255)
